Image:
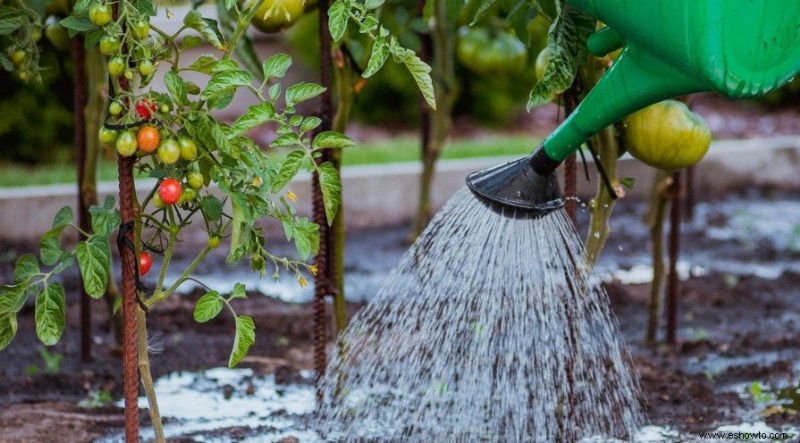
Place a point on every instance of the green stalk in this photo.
(608, 148)
(147, 377)
(343, 77)
(656, 215)
(443, 73)
(160, 295)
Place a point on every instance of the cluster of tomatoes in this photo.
(141, 46)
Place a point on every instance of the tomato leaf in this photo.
(207, 307)
(566, 42)
(191, 41)
(331, 188)
(485, 6)
(301, 92)
(94, 260)
(212, 207)
(306, 237)
(289, 139)
(239, 291)
(223, 81)
(380, 52)
(245, 337)
(104, 219)
(176, 87)
(288, 170)
(207, 27)
(49, 313)
(77, 24)
(310, 123)
(10, 20)
(205, 63)
(255, 116)
(338, 15)
(8, 329)
(63, 217)
(276, 66)
(12, 298)
(418, 69)
(331, 140)
(26, 267)
(50, 247)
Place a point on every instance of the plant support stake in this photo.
(674, 246)
(79, 100)
(325, 257)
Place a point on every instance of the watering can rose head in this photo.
(666, 135)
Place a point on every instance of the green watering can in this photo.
(740, 48)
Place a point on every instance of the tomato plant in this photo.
(195, 153)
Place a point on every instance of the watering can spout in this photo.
(670, 48)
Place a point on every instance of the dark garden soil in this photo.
(736, 328)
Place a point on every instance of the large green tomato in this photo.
(488, 51)
(275, 15)
(666, 135)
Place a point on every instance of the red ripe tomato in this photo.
(145, 108)
(170, 191)
(145, 263)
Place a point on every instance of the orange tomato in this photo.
(147, 138)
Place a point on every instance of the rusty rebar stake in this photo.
(674, 246)
(79, 100)
(129, 304)
(325, 259)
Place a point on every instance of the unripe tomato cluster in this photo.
(142, 47)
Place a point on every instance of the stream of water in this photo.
(489, 329)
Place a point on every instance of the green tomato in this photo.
(214, 241)
(115, 108)
(666, 135)
(195, 179)
(169, 152)
(187, 195)
(141, 29)
(116, 66)
(128, 74)
(36, 35)
(58, 36)
(146, 68)
(188, 148)
(106, 135)
(100, 14)
(274, 15)
(109, 45)
(18, 56)
(126, 144)
(158, 203)
(488, 51)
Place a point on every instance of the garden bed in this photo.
(739, 325)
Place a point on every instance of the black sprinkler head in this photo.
(524, 186)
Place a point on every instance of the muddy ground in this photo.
(739, 324)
